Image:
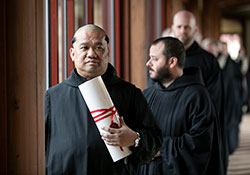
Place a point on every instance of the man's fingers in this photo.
(107, 136)
(110, 130)
(107, 129)
(109, 141)
(112, 143)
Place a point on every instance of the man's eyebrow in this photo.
(98, 43)
(83, 43)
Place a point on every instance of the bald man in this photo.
(185, 29)
(73, 144)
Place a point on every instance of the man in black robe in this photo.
(185, 113)
(233, 95)
(185, 29)
(73, 143)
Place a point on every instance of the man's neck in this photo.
(186, 47)
(167, 82)
(89, 76)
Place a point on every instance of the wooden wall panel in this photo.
(169, 13)
(117, 29)
(21, 82)
(210, 26)
(54, 42)
(138, 42)
(176, 6)
(172, 6)
(70, 33)
(25, 86)
(40, 86)
(194, 7)
(3, 89)
(125, 40)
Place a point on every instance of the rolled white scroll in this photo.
(103, 111)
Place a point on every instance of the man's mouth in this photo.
(92, 61)
(150, 70)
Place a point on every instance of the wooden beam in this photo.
(138, 43)
(40, 86)
(25, 72)
(3, 91)
(117, 37)
(125, 40)
(210, 12)
(70, 33)
(232, 3)
(90, 12)
(54, 42)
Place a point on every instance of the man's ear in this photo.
(172, 62)
(196, 29)
(72, 54)
(108, 52)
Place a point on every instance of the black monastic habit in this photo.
(73, 142)
(210, 70)
(213, 79)
(188, 120)
(233, 101)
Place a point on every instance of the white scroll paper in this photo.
(103, 111)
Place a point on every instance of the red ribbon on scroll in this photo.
(104, 114)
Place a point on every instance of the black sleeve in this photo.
(215, 84)
(151, 138)
(193, 148)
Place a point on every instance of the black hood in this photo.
(109, 77)
(194, 49)
(191, 76)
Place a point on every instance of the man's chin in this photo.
(155, 79)
(92, 67)
(184, 41)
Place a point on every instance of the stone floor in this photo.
(239, 161)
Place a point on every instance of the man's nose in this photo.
(91, 52)
(182, 30)
(148, 63)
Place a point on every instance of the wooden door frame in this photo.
(3, 89)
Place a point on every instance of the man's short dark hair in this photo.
(173, 48)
